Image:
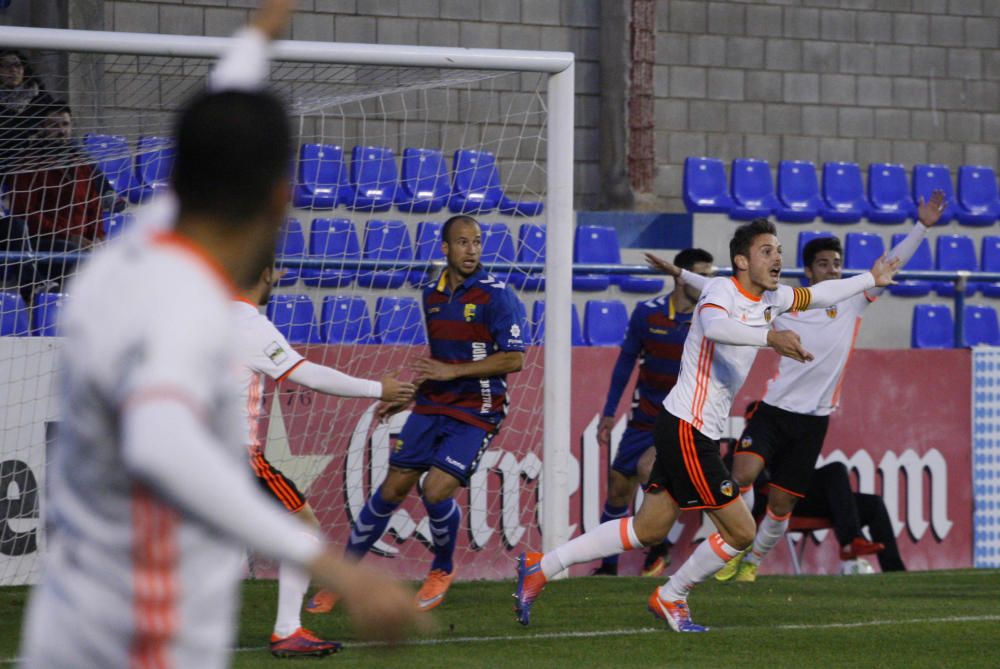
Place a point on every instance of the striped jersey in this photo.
(712, 373)
(655, 337)
(481, 317)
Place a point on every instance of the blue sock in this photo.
(611, 513)
(369, 525)
(444, 518)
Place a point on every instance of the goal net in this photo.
(386, 153)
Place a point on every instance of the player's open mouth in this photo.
(776, 272)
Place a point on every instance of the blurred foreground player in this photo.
(150, 503)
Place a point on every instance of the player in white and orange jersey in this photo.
(732, 320)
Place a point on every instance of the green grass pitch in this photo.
(906, 620)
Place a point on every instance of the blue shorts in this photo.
(440, 441)
(633, 444)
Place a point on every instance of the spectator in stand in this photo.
(19, 88)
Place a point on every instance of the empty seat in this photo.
(498, 247)
(344, 319)
(373, 179)
(862, 249)
(705, 186)
(977, 196)
(805, 237)
(537, 326)
(321, 177)
(929, 178)
(932, 327)
(843, 193)
(920, 260)
(798, 192)
(385, 240)
(475, 183)
(990, 262)
(605, 322)
(981, 328)
(291, 245)
(398, 321)
(153, 161)
(423, 186)
(115, 224)
(531, 249)
(427, 248)
(113, 157)
(955, 253)
(13, 315)
(334, 239)
(45, 313)
(295, 317)
(753, 189)
(594, 244)
(889, 194)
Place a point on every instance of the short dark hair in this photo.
(688, 258)
(813, 247)
(743, 238)
(232, 147)
(460, 218)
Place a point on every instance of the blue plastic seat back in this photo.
(862, 249)
(344, 319)
(45, 314)
(932, 327)
(920, 260)
(116, 224)
(498, 246)
(531, 243)
(798, 190)
(13, 315)
(752, 184)
(398, 321)
(927, 179)
(889, 193)
(805, 237)
(956, 252)
(605, 322)
(153, 161)
(113, 157)
(295, 317)
(427, 246)
(977, 192)
(843, 192)
(373, 177)
(424, 179)
(476, 181)
(322, 175)
(537, 326)
(981, 327)
(596, 244)
(334, 238)
(705, 185)
(291, 244)
(386, 240)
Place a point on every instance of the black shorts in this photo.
(277, 484)
(789, 444)
(689, 466)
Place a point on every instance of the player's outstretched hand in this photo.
(788, 344)
(930, 212)
(395, 391)
(658, 263)
(386, 409)
(884, 269)
(429, 369)
(604, 427)
(273, 17)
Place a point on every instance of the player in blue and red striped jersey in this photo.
(475, 325)
(655, 337)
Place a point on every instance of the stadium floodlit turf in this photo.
(908, 620)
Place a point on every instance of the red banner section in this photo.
(903, 429)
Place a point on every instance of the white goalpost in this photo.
(359, 247)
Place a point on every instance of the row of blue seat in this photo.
(934, 327)
(39, 321)
(324, 181)
(953, 253)
(798, 197)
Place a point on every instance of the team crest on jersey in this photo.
(727, 488)
(767, 315)
(470, 313)
(275, 353)
(397, 445)
(832, 311)
(746, 442)
(433, 310)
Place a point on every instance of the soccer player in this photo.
(655, 337)
(149, 503)
(475, 325)
(731, 321)
(265, 352)
(785, 432)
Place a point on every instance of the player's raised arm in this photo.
(246, 64)
(329, 381)
(695, 280)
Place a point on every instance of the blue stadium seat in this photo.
(498, 246)
(981, 327)
(921, 260)
(476, 183)
(531, 249)
(332, 238)
(153, 161)
(291, 244)
(385, 240)
(807, 236)
(321, 178)
(889, 194)
(423, 186)
(113, 157)
(843, 193)
(428, 248)
(295, 317)
(594, 244)
(862, 249)
(537, 326)
(705, 187)
(753, 189)
(605, 322)
(344, 319)
(13, 316)
(954, 253)
(45, 313)
(798, 192)
(929, 178)
(115, 224)
(398, 321)
(977, 196)
(990, 262)
(932, 327)
(373, 179)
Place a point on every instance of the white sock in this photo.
(293, 583)
(610, 538)
(708, 558)
(747, 495)
(771, 529)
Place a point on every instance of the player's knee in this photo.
(650, 532)
(741, 536)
